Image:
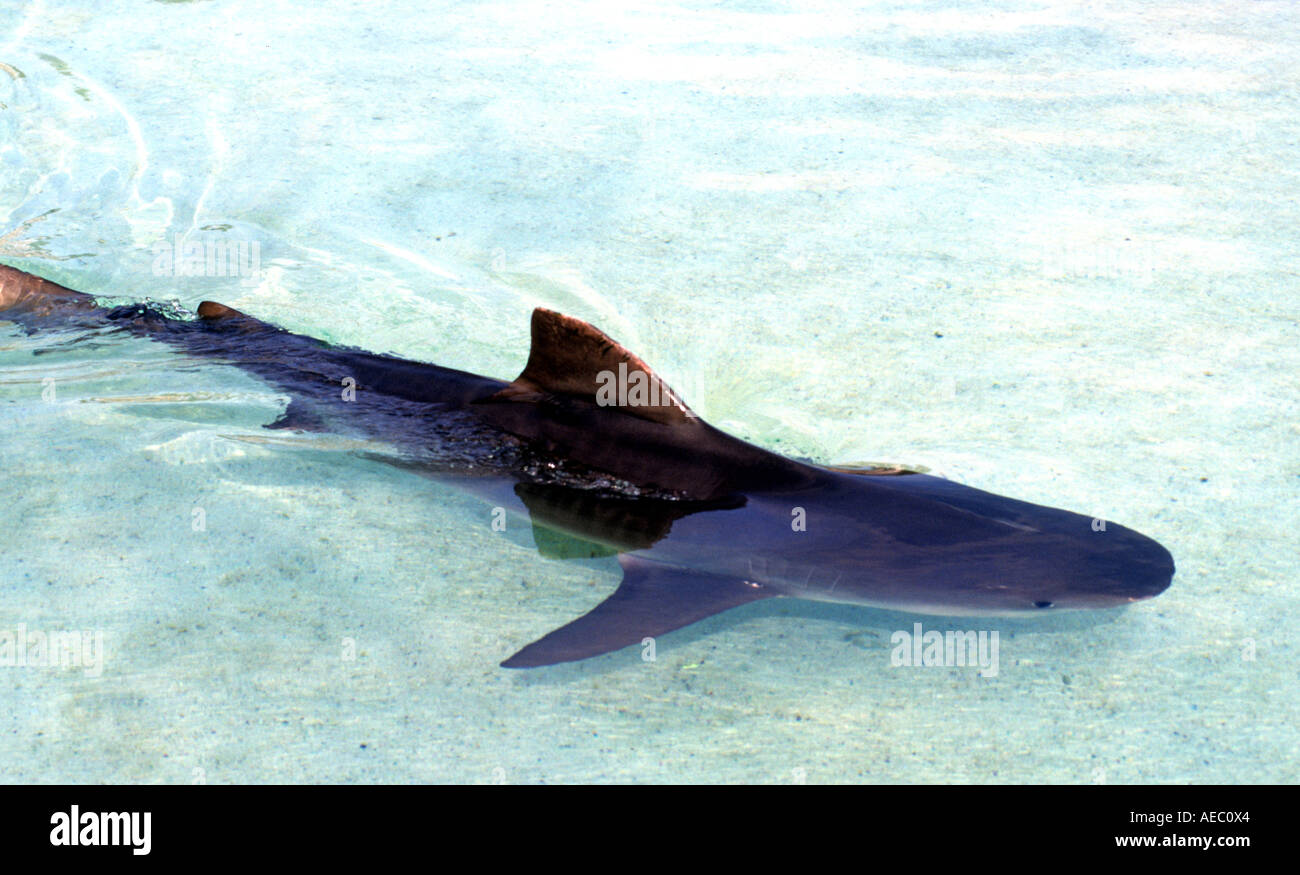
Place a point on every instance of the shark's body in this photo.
(701, 521)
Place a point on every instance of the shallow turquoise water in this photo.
(1042, 249)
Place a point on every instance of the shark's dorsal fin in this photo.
(571, 357)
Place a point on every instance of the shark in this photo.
(606, 460)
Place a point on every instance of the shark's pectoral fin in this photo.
(653, 599)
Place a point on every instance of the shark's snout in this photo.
(1117, 567)
(1092, 572)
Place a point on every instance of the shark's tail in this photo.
(31, 301)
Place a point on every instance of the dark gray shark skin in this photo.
(700, 521)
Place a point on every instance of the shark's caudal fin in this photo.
(653, 599)
(29, 300)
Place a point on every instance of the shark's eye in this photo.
(1042, 604)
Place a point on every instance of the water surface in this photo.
(1047, 250)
